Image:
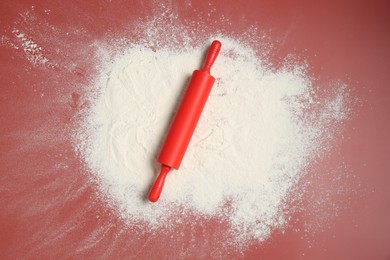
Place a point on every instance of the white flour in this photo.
(31, 49)
(258, 132)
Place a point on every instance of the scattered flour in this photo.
(257, 134)
(31, 49)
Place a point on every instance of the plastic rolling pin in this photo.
(185, 121)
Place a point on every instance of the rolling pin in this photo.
(185, 121)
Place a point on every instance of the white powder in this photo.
(31, 49)
(258, 132)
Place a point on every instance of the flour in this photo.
(257, 134)
(31, 49)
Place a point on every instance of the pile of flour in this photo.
(258, 132)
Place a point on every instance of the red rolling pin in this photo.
(185, 121)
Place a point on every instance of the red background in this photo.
(49, 207)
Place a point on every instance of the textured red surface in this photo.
(49, 207)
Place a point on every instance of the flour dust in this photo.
(259, 131)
